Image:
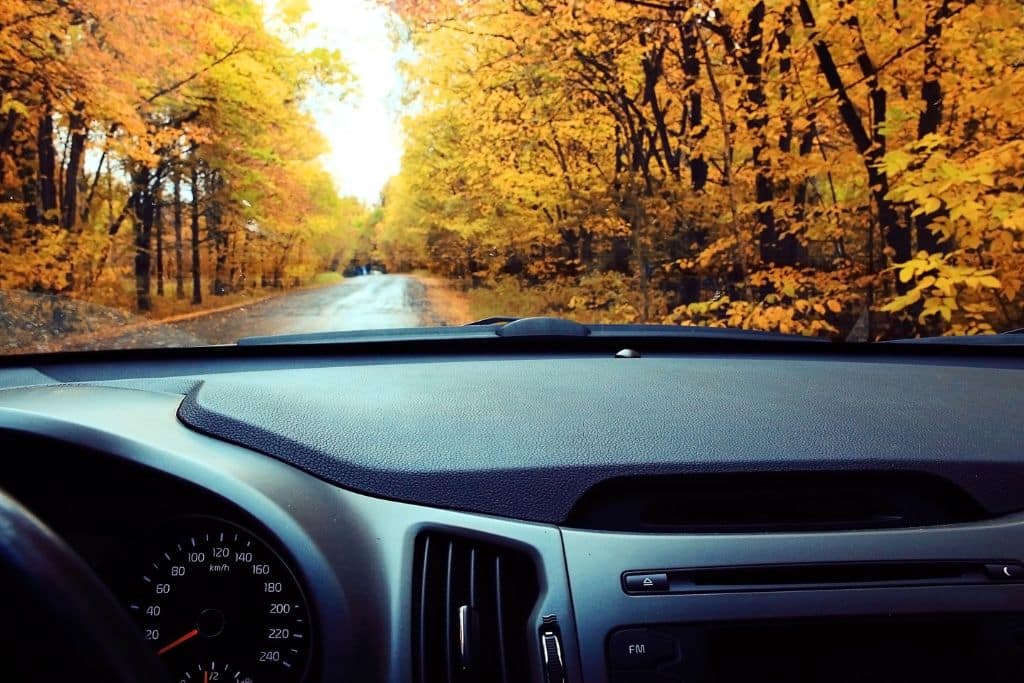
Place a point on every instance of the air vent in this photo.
(779, 502)
(471, 611)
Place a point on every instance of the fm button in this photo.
(634, 649)
(646, 583)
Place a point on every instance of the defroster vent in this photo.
(471, 611)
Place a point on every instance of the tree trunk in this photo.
(158, 223)
(47, 156)
(197, 279)
(7, 133)
(867, 145)
(740, 251)
(694, 111)
(73, 172)
(757, 121)
(653, 66)
(179, 272)
(143, 232)
(87, 204)
(244, 260)
(636, 224)
(897, 236)
(28, 162)
(930, 118)
(232, 254)
(790, 249)
(805, 148)
(219, 241)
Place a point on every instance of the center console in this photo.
(935, 604)
(881, 649)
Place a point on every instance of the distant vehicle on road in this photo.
(357, 269)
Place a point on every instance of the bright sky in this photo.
(364, 130)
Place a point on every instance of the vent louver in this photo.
(782, 502)
(471, 608)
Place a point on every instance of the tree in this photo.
(793, 165)
(157, 90)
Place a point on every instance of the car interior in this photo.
(536, 501)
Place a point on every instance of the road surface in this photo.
(359, 303)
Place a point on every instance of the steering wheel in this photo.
(60, 623)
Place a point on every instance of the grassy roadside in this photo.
(41, 323)
(443, 304)
(450, 302)
(170, 306)
(32, 322)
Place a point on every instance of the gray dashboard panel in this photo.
(353, 552)
(525, 438)
(596, 561)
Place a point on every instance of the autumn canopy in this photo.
(849, 168)
(844, 167)
(158, 148)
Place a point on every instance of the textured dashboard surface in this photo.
(525, 438)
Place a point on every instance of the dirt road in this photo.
(368, 302)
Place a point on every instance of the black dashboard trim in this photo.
(156, 362)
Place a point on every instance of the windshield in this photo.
(189, 172)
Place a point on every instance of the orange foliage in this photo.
(156, 139)
(829, 167)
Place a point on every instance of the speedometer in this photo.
(215, 600)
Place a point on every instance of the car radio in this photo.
(882, 649)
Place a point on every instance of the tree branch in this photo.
(235, 49)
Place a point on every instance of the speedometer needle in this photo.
(175, 643)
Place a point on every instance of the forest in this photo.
(845, 168)
(849, 168)
(156, 151)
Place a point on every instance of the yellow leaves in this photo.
(813, 309)
(930, 142)
(896, 162)
(717, 255)
(943, 306)
(527, 139)
(984, 282)
(970, 210)
(922, 264)
(1015, 220)
(928, 205)
(607, 226)
(902, 302)
(34, 262)
(944, 285)
(942, 288)
(292, 11)
(10, 104)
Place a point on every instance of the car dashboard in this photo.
(699, 515)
